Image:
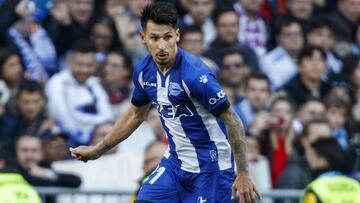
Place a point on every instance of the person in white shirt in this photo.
(76, 98)
(280, 63)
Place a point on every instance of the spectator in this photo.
(234, 69)
(28, 115)
(70, 21)
(253, 31)
(131, 40)
(12, 184)
(55, 147)
(355, 47)
(344, 19)
(311, 109)
(200, 15)
(154, 120)
(297, 173)
(104, 37)
(280, 63)
(336, 114)
(29, 156)
(320, 34)
(300, 11)
(10, 73)
(352, 71)
(329, 163)
(33, 43)
(115, 8)
(227, 27)
(192, 40)
(276, 135)
(116, 79)
(308, 82)
(99, 133)
(77, 100)
(135, 8)
(256, 97)
(258, 166)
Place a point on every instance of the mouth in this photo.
(162, 56)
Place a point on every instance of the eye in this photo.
(154, 38)
(167, 37)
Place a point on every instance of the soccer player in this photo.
(202, 129)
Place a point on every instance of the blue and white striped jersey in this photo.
(188, 99)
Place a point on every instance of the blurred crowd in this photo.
(291, 69)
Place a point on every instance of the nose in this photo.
(162, 44)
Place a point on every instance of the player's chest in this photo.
(169, 94)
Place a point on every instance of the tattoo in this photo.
(104, 147)
(236, 133)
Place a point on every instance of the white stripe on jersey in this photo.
(215, 133)
(141, 80)
(185, 151)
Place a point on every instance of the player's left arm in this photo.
(236, 133)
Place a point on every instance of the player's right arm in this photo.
(123, 128)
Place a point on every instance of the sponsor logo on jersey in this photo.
(175, 89)
(203, 79)
(170, 111)
(150, 84)
(201, 199)
(218, 97)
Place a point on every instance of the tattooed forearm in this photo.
(237, 139)
(104, 147)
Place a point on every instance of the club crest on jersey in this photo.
(175, 89)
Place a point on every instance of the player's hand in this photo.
(84, 153)
(245, 187)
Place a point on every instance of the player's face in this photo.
(161, 40)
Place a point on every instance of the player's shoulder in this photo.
(142, 64)
(193, 67)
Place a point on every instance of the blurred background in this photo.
(291, 69)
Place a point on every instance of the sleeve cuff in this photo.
(220, 109)
(136, 102)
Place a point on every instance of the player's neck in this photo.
(164, 68)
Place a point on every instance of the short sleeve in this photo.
(139, 97)
(209, 93)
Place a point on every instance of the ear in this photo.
(142, 35)
(177, 34)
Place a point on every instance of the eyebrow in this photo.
(154, 34)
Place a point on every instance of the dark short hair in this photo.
(127, 58)
(238, 52)
(30, 86)
(330, 149)
(189, 29)
(285, 22)
(18, 138)
(258, 76)
(83, 46)
(5, 54)
(109, 22)
(319, 22)
(159, 13)
(315, 121)
(282, 97)
(222, 10)
(336, 102)
(308, 51)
